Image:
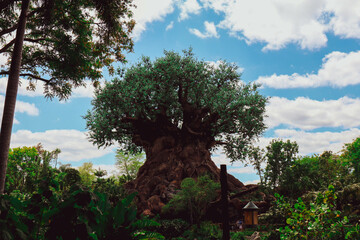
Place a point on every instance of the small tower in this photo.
(251, 214)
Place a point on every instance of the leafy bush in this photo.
(172, 228)
(278, 213)
(204, 231)
(88, 215)
(194, 197)
(112, 187)
(319, 220)
(11, 222)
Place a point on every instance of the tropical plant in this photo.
(204, 231)
(61, 43)
(194, 197)
(318, 220)
(352, 153)
(23, 169)
(12, 224)
(314, 173)
(87, 175)
(129, 164)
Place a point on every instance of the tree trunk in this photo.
(11, 94)
(168, 162)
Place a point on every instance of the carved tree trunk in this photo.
(169, 161)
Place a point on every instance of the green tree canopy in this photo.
(66, 41)
(352, 153)
(59, 42)
(178, 96)
(279, 156)
(129, 164)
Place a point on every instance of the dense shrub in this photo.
(318, 220)
(194, 197)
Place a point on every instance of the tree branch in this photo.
(12, 42)
(35, 77)
(8, 30)
(35, 40)
(5, 3)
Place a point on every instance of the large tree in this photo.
(177, 109)
(61, 43)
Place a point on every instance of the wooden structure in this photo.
(251, 215)
(224, 202)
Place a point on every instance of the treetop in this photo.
(179, 96)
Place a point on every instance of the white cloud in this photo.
(338, 70)
(345, 21)
(80, 92)
(150, 11)
(242, 170)
(315, 142)
(20, 107)
(188, 7)
(110, 169)
(170, 26)
(73, 144)
(307, 114)
(3, 60)
(275, 23)
(216, 64)
(210, 31)
(252, 182)
(278, 23)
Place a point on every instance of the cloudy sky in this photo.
(305, 54)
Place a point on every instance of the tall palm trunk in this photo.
(11, 93)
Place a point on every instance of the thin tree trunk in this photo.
(11, 94)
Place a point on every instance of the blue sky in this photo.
(305, 54)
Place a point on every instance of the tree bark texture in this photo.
(11, 94)
(168, 162)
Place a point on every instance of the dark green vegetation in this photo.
(316, 197)
(177, 109)
(61, 43)
(43, 202)
(181, 97)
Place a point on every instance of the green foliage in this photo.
(11, 222)
(87, 173)
(352, 154)
(88, 215)
(319, 220)
(204, 231)
(178, 96)
(257, 158)
(194, 197)
(112, 187)
(313, 173)
(129, 164)
(61, 206)
(278, 213)
(172, 228)
(26, 166)
(353, 232)
(279, 156)
(23, 168)
(237, 235)
(67, 41)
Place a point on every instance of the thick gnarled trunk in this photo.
(168, 162)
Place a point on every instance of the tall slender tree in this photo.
(61, 43)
